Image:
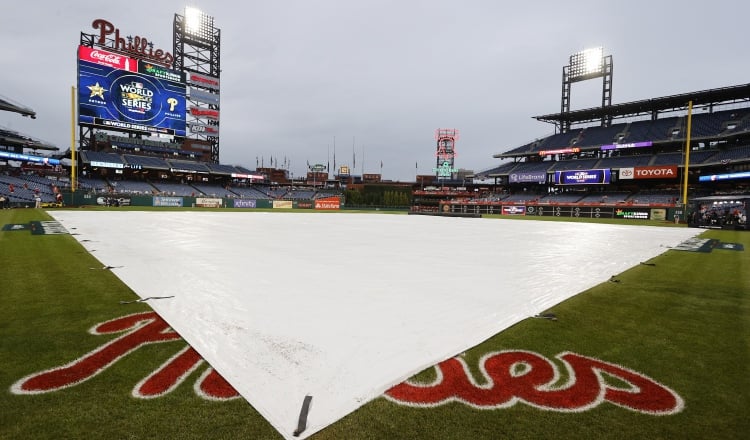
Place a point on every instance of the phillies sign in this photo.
(509, 377)
(137, 46)
(656, 172)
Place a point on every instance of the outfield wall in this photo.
(622, 212)
(91, 199)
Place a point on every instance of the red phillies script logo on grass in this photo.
(141, 329)
(521, 376)
(509, 376)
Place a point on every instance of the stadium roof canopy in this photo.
(16, 140)
(9, 105)
(654, 106)
(719, 198)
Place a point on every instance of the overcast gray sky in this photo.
(381, 76)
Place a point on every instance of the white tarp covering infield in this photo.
(342, 307)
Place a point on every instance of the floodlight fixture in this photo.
(198, 24)
(584, 65)
(587, 64)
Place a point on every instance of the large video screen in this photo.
(583, 177)
(121, 93)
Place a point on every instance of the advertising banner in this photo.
(207, 113)
(206, 81)
(168, 201)
(583, 177)
(109, 59)
(211, 130)
(654, 172)
(658, 214)
(282, 204)
(537, 177)
(242, 203)
(727, 176)
(622, 146)
(207, 97)
(113, 201)
(28, 158)
(514, 210)
(160, 72)
(95, 163)
(633, 213)
(203, 202)
(327, 203)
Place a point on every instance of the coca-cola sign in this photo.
(109, 59)
(139, 47)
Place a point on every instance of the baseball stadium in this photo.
(591, 283)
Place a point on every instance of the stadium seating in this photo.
(214, 190)
(149, 162)
(654, 197)
(658, 130)
(250, 192)
(277, 192)
(24, 192)
(132, 187)
(226, 170)
(522, 197)
(300, 194)
(625, 161)
(598, 136)
(188, 166)
(501, 169)
(568, 197)
(605, 197)
(580, 164)
(100, 156)
(533, 167)
(175, 189)
(729, 155)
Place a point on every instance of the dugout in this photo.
(719, 212)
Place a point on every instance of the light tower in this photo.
(584, 65)
(446, 153)
(196, 52)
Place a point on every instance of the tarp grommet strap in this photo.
(302, 422)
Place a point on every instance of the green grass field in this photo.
(682, 320)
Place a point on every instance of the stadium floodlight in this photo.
(587, 64)
(197, 23)
(584, 65)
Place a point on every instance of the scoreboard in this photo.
(117, 92)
